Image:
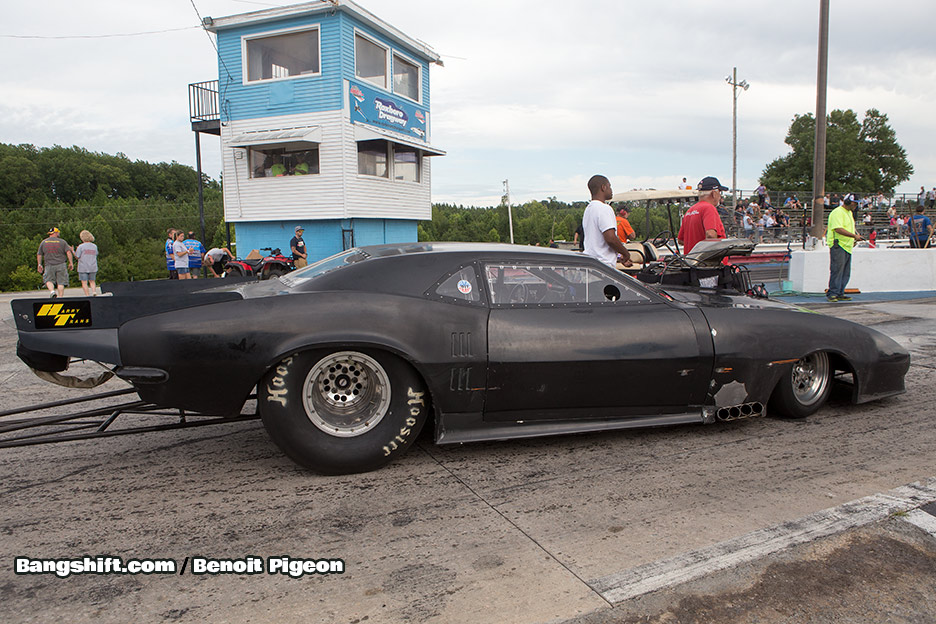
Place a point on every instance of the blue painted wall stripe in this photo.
(323, 237)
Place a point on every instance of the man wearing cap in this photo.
(55, 252)
(701, 221)
(297, 245)
(600, 226)
(840, 237)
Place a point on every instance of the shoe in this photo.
(54, 295)
(844, 298)
(832, 299)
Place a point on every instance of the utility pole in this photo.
(733, 81)
(506, 200)
(819, 154)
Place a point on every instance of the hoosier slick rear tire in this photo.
(343, 411)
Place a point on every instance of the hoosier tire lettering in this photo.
(416, 404)
(276, 389)
(343, 411)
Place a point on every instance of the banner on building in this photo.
(376, 108)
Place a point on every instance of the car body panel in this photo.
(494, 369)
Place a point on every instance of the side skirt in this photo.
(459, 428)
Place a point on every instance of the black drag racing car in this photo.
(351, 356)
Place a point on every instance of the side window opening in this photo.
(528, 284)
(462, 285)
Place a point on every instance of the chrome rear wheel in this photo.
(346, 394)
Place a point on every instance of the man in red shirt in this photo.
(702, 222)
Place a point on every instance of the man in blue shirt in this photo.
(170, 257)
(921, 228)
(196, 253)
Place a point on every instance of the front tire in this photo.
(343, 412)
(805, 388)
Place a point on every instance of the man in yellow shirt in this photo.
(841, 236)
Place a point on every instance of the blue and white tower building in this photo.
(324, 118)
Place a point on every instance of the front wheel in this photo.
(805, 388)
(343, 412)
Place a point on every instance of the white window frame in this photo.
(388, 76)
(419, 163)
(276, 33)
(291, 148)
(391, 164)
(419, 77)
(388, 152)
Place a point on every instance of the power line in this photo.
(213, 44)
(187, 218)
(133, 34)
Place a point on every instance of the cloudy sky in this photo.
(543, 93)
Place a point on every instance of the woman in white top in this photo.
(87, 254)
(181, 253)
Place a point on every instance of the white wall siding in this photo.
(290, 197)
(337, 192)
(380, 198)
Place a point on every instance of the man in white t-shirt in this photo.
(600, 225)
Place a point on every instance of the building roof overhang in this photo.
(368, 133)
(311, 134)
(215, 24)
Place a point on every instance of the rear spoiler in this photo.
(161, 287)
(50, 315)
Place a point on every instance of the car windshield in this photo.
(306, 274)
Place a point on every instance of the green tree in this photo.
(891, 166)
(861, 155)
(126, 205)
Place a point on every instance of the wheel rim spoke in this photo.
(810, 377)
(346, 394)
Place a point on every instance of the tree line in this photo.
(128, 205)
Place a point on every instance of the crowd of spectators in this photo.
(763, 218)
(761, 221)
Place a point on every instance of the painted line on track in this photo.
(923, 520)
(688, 566)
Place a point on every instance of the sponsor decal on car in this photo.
(72, 314)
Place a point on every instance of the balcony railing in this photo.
(204, 108)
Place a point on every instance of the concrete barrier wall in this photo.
(872, 270)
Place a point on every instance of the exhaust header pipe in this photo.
(738, 412)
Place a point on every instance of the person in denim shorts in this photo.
(87, 253)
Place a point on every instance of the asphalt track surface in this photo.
(586, 528)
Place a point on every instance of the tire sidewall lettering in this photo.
(285, 416)
(401, 439)
(276, 390)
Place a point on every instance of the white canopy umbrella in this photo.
(664, 195)
(653, 194)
